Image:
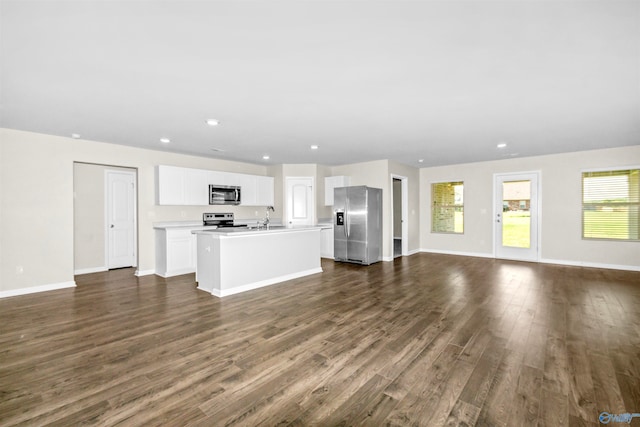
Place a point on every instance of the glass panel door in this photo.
(516, 214)
(516, 225)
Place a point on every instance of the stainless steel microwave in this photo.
(224, 195)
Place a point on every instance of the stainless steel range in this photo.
(220, 220)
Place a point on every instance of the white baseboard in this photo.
(544, 260)
(89, 270)
(35, 289)
(473, 254)
(178, 272)
(262, 283)
(591, 264)
(413, 252)
(144, 272)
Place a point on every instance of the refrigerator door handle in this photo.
(346, 218)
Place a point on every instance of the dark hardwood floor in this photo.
(428, 340)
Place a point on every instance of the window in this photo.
(611, 204)
(447, 214)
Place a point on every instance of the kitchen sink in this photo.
(266, 227)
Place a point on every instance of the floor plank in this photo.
(429, 339)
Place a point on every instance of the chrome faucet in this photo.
(266, 218)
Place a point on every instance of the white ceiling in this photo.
(443, 81)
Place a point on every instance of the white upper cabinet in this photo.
(170, 185)
(218, 178)
(188, 186)
(248, 189)
(255, 190)
(265, 190)
(332, 182)
(196, 189)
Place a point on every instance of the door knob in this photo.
(112, 225)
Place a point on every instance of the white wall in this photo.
(560, 197)
(36, 201)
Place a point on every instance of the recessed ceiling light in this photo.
(75, 135)
(314, 147)
(165, 140)
(212, 122)
(420, 160)
(266, 157)
(502, 145)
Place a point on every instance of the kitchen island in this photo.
(233, 260)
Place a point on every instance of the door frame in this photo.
(538, 212)
(107, 199)
(404, 206)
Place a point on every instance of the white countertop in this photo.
(197, 226)
(254, 231)
(179, 224)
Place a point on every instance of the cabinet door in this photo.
(326, 243)
(180, 252)
(196, 187)
(264, 191)
(232, 178)
(216, 178)
(171, 185)
(248, 189)
(332, 182)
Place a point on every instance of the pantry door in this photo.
(299, 200)
(516, 216)
(120, 219)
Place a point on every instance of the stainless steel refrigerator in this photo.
(357, 224)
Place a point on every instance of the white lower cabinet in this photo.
(175, 252)
(326, 243)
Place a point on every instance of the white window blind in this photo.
(611, 204)
(447, 207)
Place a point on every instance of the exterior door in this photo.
(516, 216)
(300, 204)
(120, 219)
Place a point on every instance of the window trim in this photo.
(582, 204)
(447, 181)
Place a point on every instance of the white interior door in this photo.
(516, 216)
(120, 218)
(300, 202)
